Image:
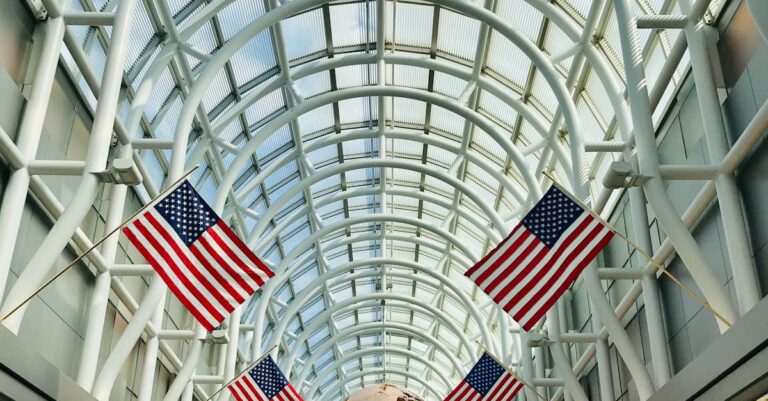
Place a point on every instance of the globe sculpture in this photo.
(383, 392)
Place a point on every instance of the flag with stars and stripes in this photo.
(487, 381)
(263, 382)
(542, 256)
(203, 262)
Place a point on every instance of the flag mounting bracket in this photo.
(538, 340)
(218, 336)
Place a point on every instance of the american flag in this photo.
(541, 257)
(487, 381)
(264, 382)
(197, 255)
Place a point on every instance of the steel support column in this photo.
(648, 161)
(736, 238)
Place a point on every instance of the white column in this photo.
(27, 141)
(41, 263)
(648, 161)
(737, 240)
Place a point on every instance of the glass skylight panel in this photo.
(611, 39)
(500, 51)
(319, 337)
(304, 34)
(522, 16)
(543, 93)
(408, 76)
(356, 75)
(359, 148)
(446, 336)
(217, 90)
(497, 108)
(447, 121)
(486, 146)
(204, 41)
(313, 308)
(437, 186)
(287, 170)
(314, 84)
(653, 64)
(409, 111)
(293, 238)
(280, 141)
(432, 210)
(326, 210)
(440, 157)
(97, 59)
(599, 96)
(324, 360)
(141, 31)
(483, 178)
(580, 6)
(316, 120)
(556, 42)
(361, 177)
(253, 59)
(591, 129)
(324, 156)
(232, 131)
(160, 93)
(167, 126)
(405, 149)
(354, 110)
(449, 85)
(406, 178)
(266, 106)
(471, 238)
(237, 15)
(350, 26)
(457, 34)
(413, 26)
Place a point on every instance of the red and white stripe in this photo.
(526, 277)
(211, 277)
(505, 388)
(245, 389)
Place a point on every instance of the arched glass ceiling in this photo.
(372, 288)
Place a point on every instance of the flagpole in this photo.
(659, 266)
(95, 245)
(510, 371)
(237, 376)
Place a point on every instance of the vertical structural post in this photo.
(230, 363)
(147, 382)
(603, 358)
(99, 299)
(648, 162)
(562, 366)
(527, 365)
(657, 336)
(561, 311)
(736, 238)
(28, 139)
(41, 263)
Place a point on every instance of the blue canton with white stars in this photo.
(268, 377)
(484, 374)
(554, 213)
(187, 213)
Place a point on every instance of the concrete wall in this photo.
(690, 328)
(55, 323)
